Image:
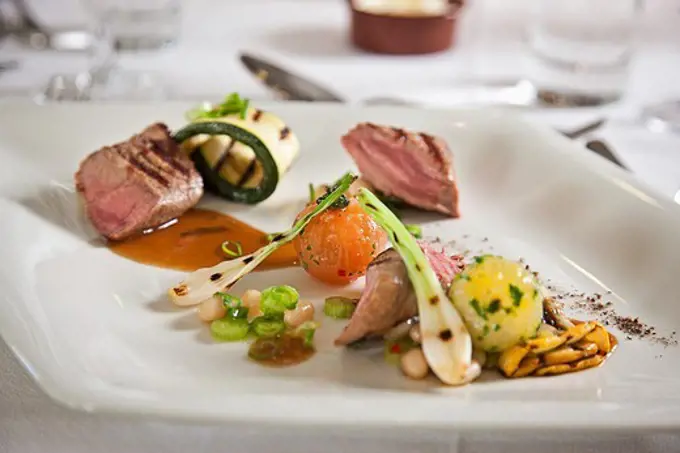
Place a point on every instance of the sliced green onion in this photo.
(229, 329)
(415, 230)
(203, 283)
(311, 192)
(447, 345)
(228, 300)
(306, 330)
(268, 326)
(277, 299)
(339, 307)
(232, 248)
(238, 313)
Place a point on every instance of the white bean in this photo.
(254, 312)
(211, 309)
(415, 335)
(302, 313)
(251, 298)
(414, 365)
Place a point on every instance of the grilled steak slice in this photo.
(138, 184)
(415, 167)
(388, 297)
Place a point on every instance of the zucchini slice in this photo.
(212, 179)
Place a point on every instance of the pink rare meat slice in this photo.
(415, 167)
(388, 297)
(137, 184)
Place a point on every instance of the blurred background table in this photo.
(311, 37)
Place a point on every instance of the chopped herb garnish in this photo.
(309, 247)
(479, 259)
(494, 306)
(311, 192)
(474, 303)
(496, 327)
(516, 295)
(232, 104)
(485, 330)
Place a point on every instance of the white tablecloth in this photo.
(310, 36)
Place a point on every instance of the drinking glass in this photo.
(138, 24)
(126, 25)
(580, 50)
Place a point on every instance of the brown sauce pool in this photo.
(195, 241)
(284, 350)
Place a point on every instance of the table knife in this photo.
(287, 84)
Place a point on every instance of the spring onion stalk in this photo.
(234, 249)
(268, 326)
(270, 237)
(276, 300)
(446, 343)
(204, 283)
(339, 307)
(229, 329)
(311, 192)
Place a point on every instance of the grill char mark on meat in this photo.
(137, 184)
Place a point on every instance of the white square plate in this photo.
(97, 334)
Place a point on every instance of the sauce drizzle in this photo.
(195, 241)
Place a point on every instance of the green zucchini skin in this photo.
(212, 180)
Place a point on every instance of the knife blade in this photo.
(286, 84)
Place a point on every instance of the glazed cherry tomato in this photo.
(337, 246)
